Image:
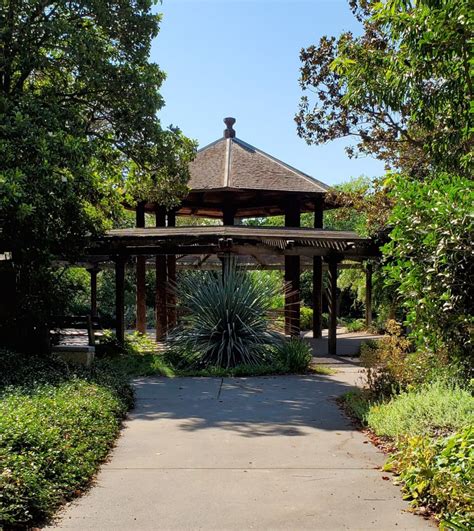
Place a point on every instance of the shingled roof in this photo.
(232, 164)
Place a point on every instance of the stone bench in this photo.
(79, 354)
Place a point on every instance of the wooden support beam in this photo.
(226, 263)
(319, 213)
(93, 284)
(317, 296)
(140, 314)
(171, 218)
(292, 296)
(120, 298)
(293, 215)
(318, 275)
(368, 294)
(140, 214)
(332, 300)
(160, 216)
(171, 270)
(140, 318)
(161, 317)
(292, 276)
(228, 215)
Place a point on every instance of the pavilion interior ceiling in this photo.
(248, 203)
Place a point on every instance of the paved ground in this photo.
(245, 453)
(348, 345)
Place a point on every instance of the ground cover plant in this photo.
(424, 409)
(430, 432)
(432, 409)
(57, 424)
(439, 473)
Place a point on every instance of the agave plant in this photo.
(226, 320)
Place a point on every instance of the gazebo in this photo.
(232, 180)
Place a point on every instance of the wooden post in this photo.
(228, 215)
(318, 275)
(141, 295)
(292, 278)
(93, 283)
(226, 263)
(140, 215)
(171, 264)
(161, 317)
(120, 298)
(368, 294)
(332, 299)
(292, 296)
(140, 318)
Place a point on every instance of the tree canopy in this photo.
(79, 132)
(403, 88)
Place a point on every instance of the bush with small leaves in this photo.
(439, 473)
(306, 318)
(57, 424)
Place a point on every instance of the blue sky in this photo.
(241, 58)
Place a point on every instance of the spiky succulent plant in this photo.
(226, 320)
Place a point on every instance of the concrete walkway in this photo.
(244, 453)
(348, 345)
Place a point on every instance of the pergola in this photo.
(232, 180)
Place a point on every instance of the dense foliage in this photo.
(431, 430)
(79, 134)
(430, 260)
(404, 89)
(57, 425)
(432, 409)
(439, 474)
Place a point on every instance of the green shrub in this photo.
(358, 404)
(355, 325)
(295, 355)
(226, 321)
(57, 424)
(436, 470)
(306, 318)
(429, 259)
(384, 360)
(439, 473)
(325, 320)
(392, 366)
(135, 343)
(431, 409)
(136, 357)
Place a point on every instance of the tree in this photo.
(404, 89)
(79, 134)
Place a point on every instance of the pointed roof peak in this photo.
(238, 165)
(229, 131)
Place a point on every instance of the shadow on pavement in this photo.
(251, 407)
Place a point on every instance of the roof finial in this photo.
(229, 132)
